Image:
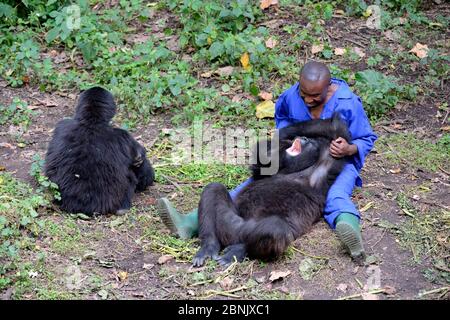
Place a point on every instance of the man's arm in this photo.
(282, 113)
(363, 136)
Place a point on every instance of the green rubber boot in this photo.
(184, 225)
(349, 232)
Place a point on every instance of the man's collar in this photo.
(343, 91)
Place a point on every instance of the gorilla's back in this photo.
(89, 166)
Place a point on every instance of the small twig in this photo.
(446, 115)
(389, 129)
(360, 294)
(171, 181)
(442, 268)
(357, 43)
(431, 203)
(382, 236)
(434, 291)
(409, 214)
(446, 172)
(228, 293)
(359, 283)
(310, 255)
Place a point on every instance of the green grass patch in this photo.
(421, 153)
(229, 175)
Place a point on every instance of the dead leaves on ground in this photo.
(245, 61)
(264, 4)
(420, 50)
(265, 109)
(271, 43)
(223, 72)
(278, 275)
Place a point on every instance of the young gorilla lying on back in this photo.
(96, 167)
(272, 211)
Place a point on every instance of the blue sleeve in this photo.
(362, 134)
(282, 113)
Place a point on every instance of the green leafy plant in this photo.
(44, 183)
(17, 113)
(19, 224)
(381, 93)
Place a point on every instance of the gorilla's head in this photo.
(299, 154)
(95, 105)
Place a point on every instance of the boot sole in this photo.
(352, 240)
(167, 219)
(164, 213)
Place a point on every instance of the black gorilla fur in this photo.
(272, 211)
(96, 167)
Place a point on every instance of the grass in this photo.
(425, 233)
(414, 151)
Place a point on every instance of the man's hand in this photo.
(340, 148)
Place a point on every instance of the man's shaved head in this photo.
(315, 72)
(314, 82)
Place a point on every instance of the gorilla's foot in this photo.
(230, 253)
(184, 225)
(210, 250)
(122, 212)
(348, 231)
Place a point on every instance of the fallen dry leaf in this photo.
(316, 48)
(446, 129)
(245, 61)
(342, 287)
(402, 20)
(265, 95)
(389, 290)
(226, 283)
(395, 171)
(369, 296)
(237, 97)
(271, 43)
(6, 145)
(173, 44)
(47, 102)
(163, 259)
(148, 266)
(390, 35)
(225, 71)
(420, 50)
(207, 74)
(367, 206)
(123, 275)
(150, 201)
(360, 52)
(264, 4)
(339, 51)
(276, 275)
(265, 109)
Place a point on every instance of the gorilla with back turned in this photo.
(97, 167)
(273, 211)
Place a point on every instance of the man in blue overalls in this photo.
(316, 96)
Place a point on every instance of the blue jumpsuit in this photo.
(290, 108)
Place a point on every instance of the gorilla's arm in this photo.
(138, 161)
(142, 169)
(328, 128)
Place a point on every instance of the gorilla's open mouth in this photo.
(296, 148)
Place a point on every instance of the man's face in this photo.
(313, 93)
